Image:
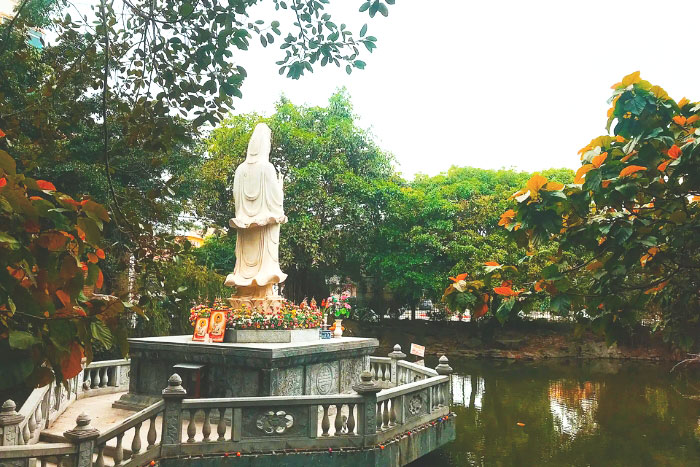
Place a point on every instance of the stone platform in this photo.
(319, 367)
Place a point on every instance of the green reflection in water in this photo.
(608, 413)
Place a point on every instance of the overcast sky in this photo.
(493, 84)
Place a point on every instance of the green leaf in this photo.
(7, 163)
(102, 333)
(22, 340)
(503, 312)
(363, 31)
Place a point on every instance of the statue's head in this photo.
(259, 145)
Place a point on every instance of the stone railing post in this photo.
(395, 356)
(444, 369)
(171, 434)
(368, 389)
(83, 436)
(9, 424)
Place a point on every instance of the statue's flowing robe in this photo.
(259, 212)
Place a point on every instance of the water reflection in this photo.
(573, 407)
(569, 413)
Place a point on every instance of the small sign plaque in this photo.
(201, 327)
(418, 350)
(217, 326)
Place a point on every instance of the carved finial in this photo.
(366, 385)
(8, 414)
(82, 430)
(174, 388)
(397, 354)
(8, 406)
(443, 367)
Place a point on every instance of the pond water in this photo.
(571, 414)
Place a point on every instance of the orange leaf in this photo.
(480, 311)
(631, 169)
(535, 184)
(583, 170)
(657, 288)
(683, 102)
(605, 183)
(2, 134)
(679, 119)
(599, 159)
(602, 240)
(620, 139)
(663, 165)
(100, 253)
(63, 297)
(491, 263)
(72, 364)
(632, 78)
(674, 152)
(92, 258)
(16, 273)
(539, 285)
(3, 182)
(692, 119)
(52, 241)
(100, 280)
(594, 265)
(507, 217)
(554, 186)
(44, 185)
(507, 291)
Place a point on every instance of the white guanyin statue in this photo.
(258, 194)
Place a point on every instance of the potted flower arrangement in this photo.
(339, 308)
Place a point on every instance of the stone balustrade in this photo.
(374, 414)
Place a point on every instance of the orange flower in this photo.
(683, 102)
(692, 119)
(2, 134)
(44, 185)
(674, 152)
(491, 263)
(100, 253)
(663, 165)
(631, 169)
(605, 183)
(3, 182)
(620, 139)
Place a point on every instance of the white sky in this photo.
(493, 84)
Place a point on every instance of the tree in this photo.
(49, 257)
(633, 209)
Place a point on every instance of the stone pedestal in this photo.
(317, 367)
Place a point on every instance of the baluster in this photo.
(388, 372)
(351, 419)
(38, 416)
(26, 435)
(119, 450)
(136, 443)
(103, 377)
(112, 375)
(325, 422)
(191, 428)
(94, 378)
(100, 462)
(221, 427)
(379, 416)
(375, 371)
(31, 423)
(385, 415)
(392, 412)
(151, 436)
(206, 427)
(338, 420)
